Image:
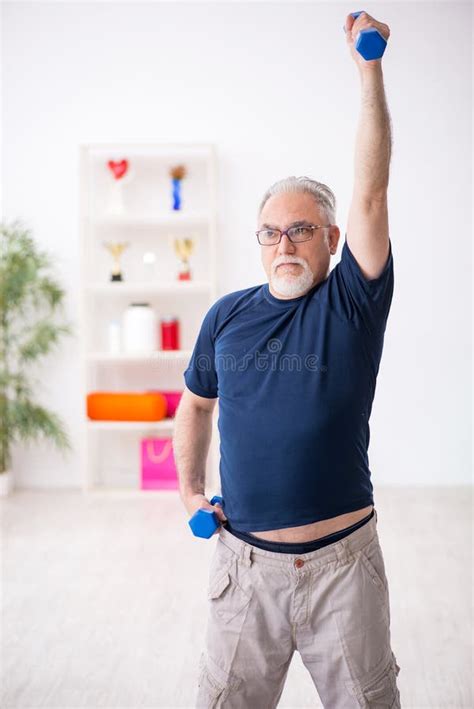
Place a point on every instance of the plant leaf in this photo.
(28, 421)
(43, 337)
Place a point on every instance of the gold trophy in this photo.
(184, 249)
(116, 249)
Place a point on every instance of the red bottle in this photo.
(169, 333)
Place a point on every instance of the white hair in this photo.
(323, 195)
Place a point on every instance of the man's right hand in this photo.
(198, 502)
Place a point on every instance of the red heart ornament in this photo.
(118, 168)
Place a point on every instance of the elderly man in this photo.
(293, 363)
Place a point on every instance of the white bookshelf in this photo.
(110, 456)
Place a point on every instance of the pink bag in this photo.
(158, 466)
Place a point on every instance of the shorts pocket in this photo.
(379, 691)
(372, 560)
(222, 558)
(226, 596)
(215, 684)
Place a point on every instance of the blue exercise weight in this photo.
(369, 43)
(204, 523)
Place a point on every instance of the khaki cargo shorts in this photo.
(331, 605)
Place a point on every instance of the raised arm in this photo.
(367, 226)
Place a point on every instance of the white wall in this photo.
(274, 87)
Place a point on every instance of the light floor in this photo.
(104, 600)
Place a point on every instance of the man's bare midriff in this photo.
(315, 530)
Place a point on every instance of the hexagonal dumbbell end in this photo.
(204, 523)
(369, 42)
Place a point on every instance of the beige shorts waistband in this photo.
(338, 551)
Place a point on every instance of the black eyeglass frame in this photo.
(301, 226)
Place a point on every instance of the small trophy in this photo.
(120, 174)
(177, 174)
(116, 249)
(184, 249)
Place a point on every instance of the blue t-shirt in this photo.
(295, 381)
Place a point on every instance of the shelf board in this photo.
(128, 492)
(163, 425)
(165, 355)
(131, 287)
(150, 150)
(166, 219)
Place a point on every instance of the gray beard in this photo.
(293, 286)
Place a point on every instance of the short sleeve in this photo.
(365, 302)
(200, 375)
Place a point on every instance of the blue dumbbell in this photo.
(369, 43)
(205, 522)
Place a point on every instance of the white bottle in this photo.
(114, 337)
(139, 329)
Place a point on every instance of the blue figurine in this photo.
(177, 174)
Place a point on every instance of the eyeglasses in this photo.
(296, 234)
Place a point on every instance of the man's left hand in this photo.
(353, 27)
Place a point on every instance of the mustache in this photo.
(291, 259)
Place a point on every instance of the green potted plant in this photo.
(30, 302)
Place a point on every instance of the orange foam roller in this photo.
(125, 406)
